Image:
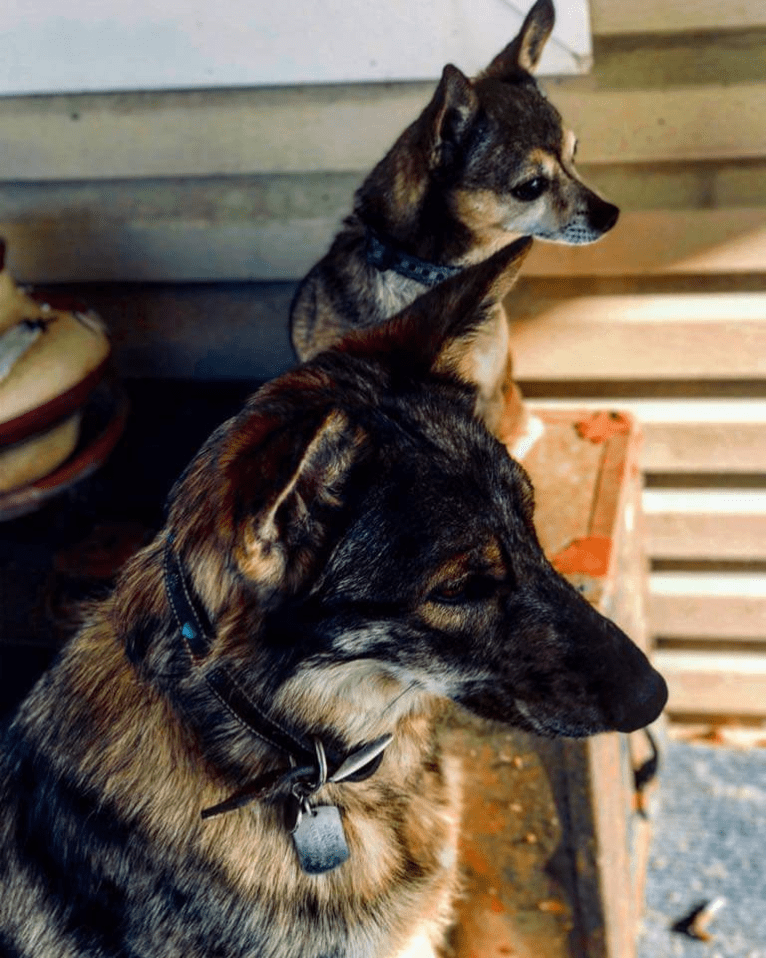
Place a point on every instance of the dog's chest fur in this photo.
(159, 880)
(393, 292)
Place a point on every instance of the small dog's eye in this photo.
(530, 189)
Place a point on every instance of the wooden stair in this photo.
(691, 367)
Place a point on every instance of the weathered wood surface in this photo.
(695, 525)
(715, 685)
(96, 244)
(708, 606)
(663, 16)
(344, 128)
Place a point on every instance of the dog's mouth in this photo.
(638, 708)
(588, 226)
(555, 726)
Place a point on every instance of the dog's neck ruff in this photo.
(311, 765)
(383, 257)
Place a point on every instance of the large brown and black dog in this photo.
(488, 160)
(236, 755)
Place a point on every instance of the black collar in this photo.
(384, 257)
(306, 756)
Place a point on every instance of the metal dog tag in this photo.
(320, 840)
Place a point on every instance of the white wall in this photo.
(100, 45)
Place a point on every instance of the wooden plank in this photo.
(705, 524)
(705, 447)
(344, 128)
(703, 536)
(660, 309)
(674, 16)
(311, 195)
(647, 338)
(668, 409)
(661, 61)
(714, 684)
(660, 242)
(707, 605)
(81, 246)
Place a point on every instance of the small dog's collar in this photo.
(308, 769)
(384, 257)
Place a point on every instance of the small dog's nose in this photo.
(604, 216)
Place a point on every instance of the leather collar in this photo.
(383, 257)
(306, 756)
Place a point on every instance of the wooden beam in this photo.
(674, 16)
(646, 338)
(705, 524)
(67, 244)
(703, 683)
(707, 605)
(705, 447)
(663, 242)
(344, 128)
(703, 536)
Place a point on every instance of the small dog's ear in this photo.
(449, 116)
(525, 50)
(281, 541)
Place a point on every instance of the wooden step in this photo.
(674, 16)
(651, 337)
(704, 525)
(301, 129)
(684, 437)
(731, 685)
(235, 247)
(708, 605)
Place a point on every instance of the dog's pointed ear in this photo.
(282, 539)
(473, 312)
(526, 48)
(438, 331)
(449, 115)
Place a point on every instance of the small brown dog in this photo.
(237, 753)
(488, 160)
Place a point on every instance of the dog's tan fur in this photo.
(361, 550)
(489, 160)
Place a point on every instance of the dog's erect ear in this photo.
(443, 327)
(281, 541)
(449, 115)
(525, 50)
(476, 322)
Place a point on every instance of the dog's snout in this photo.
(640, 695)
(604, 215)
(643, 705)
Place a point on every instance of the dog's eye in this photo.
(471, 588)
(450, 592)
(530, 189)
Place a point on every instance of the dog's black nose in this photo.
(642, 704)
(604, 216)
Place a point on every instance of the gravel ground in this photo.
(709, 842)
